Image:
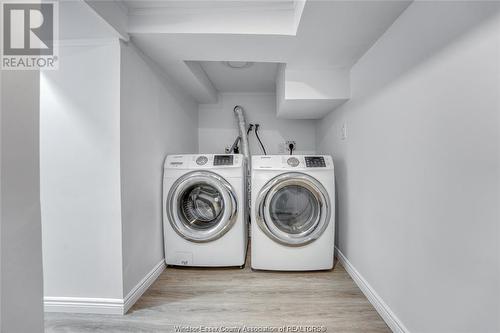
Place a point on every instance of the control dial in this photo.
(293, 161)
(202, 160)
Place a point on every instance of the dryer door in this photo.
(293, 209)
(201, 206)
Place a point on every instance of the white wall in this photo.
(80, 173)
(418, 176)
(21, 285)
(108, 121)
(156, 120)
(218, 129)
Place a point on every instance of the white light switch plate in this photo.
(343, 131)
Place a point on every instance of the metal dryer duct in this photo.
(242, 126)
(243, 138)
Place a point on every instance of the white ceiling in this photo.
(78, 21)
(213, 16)
(217, 4)
(329, 34)
(184, 37)
(259, 77)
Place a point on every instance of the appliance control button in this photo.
(201, 160)
(293, 161)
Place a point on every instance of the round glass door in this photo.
(201, 206)
(293, 209)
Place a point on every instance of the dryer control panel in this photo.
(292, 162)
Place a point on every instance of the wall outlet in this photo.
(291, 143)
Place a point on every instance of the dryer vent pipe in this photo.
(242, 126)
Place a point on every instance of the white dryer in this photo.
(293, 212)
(204, 210)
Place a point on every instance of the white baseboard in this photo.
(143, 285)
(116, 306)
(83, 305)
(378, 303)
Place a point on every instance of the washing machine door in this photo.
(201, 206)
(293, 209)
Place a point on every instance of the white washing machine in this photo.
(204, 209)
(293, 212)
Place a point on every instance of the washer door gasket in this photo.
(293, 209)
(201, 206)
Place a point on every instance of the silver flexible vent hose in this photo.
(245, 148)
(242, 126)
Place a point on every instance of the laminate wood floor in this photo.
(234, 297)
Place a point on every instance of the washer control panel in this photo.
(204, 161)
(315, 162)
(223, 160)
